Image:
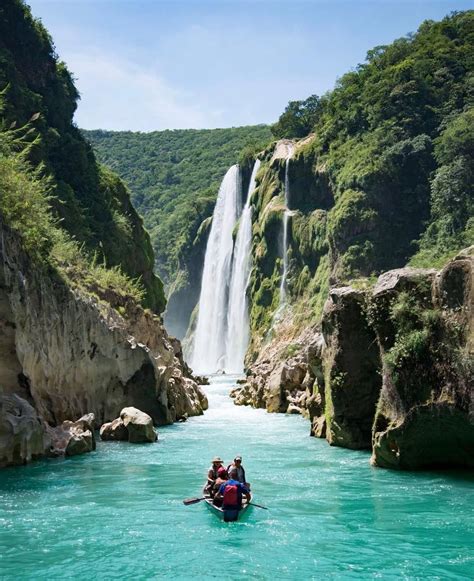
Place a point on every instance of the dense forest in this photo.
(174, 177)
(395, 141)
(73, 213)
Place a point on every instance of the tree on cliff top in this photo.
(298, 119)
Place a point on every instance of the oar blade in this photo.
(188, 501)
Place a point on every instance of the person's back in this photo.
(231, 493)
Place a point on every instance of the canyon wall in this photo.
(390, 369)
(65, 352)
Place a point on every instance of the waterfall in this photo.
(238, 316)
(286, 215)
(210, 336)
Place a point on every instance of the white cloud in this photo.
(122, 96)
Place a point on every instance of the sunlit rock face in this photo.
(133, 426)
(70, 353)
(282, 384)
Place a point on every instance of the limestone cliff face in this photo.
(23, 436)
(351, 369)
(69, 353)
(285, 384)
(398, 366)
(390, 369)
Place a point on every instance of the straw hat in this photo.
(217, 459)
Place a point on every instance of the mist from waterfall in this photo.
(286, 215)
(238, 315)
(209, 343)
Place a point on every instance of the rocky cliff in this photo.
(391, 369)
(424, 326)
(65, 352)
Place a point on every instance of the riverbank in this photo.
(118, 512)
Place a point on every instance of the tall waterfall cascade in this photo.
(238, 315)
(222, 329)
(286, 215)
(208, 353)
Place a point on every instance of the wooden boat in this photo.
(226, 515)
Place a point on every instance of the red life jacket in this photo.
(231, 495)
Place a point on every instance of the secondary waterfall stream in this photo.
(222, 330)
(117, 513)
(286, 215)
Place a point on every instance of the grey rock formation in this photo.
(114, 430)
(283, 386)
(424, 324)
(133, 426)
(351, 365)
(23, 435)
(73, 438)
(139, 425)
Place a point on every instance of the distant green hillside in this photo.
(174, 177)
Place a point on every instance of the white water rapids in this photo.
(222, 330)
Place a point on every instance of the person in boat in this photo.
(237, 467)
(222, 478)
(231, 493)
(212, 473)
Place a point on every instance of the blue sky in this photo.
(149, 65)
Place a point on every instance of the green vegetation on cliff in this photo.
(54, 168)
(396, 138)
(385, 178)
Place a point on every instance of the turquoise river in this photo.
(118, 513)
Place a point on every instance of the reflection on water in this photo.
(118, 512)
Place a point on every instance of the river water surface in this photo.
(118, 512)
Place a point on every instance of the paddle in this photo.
(258, 505)
(188, 501)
